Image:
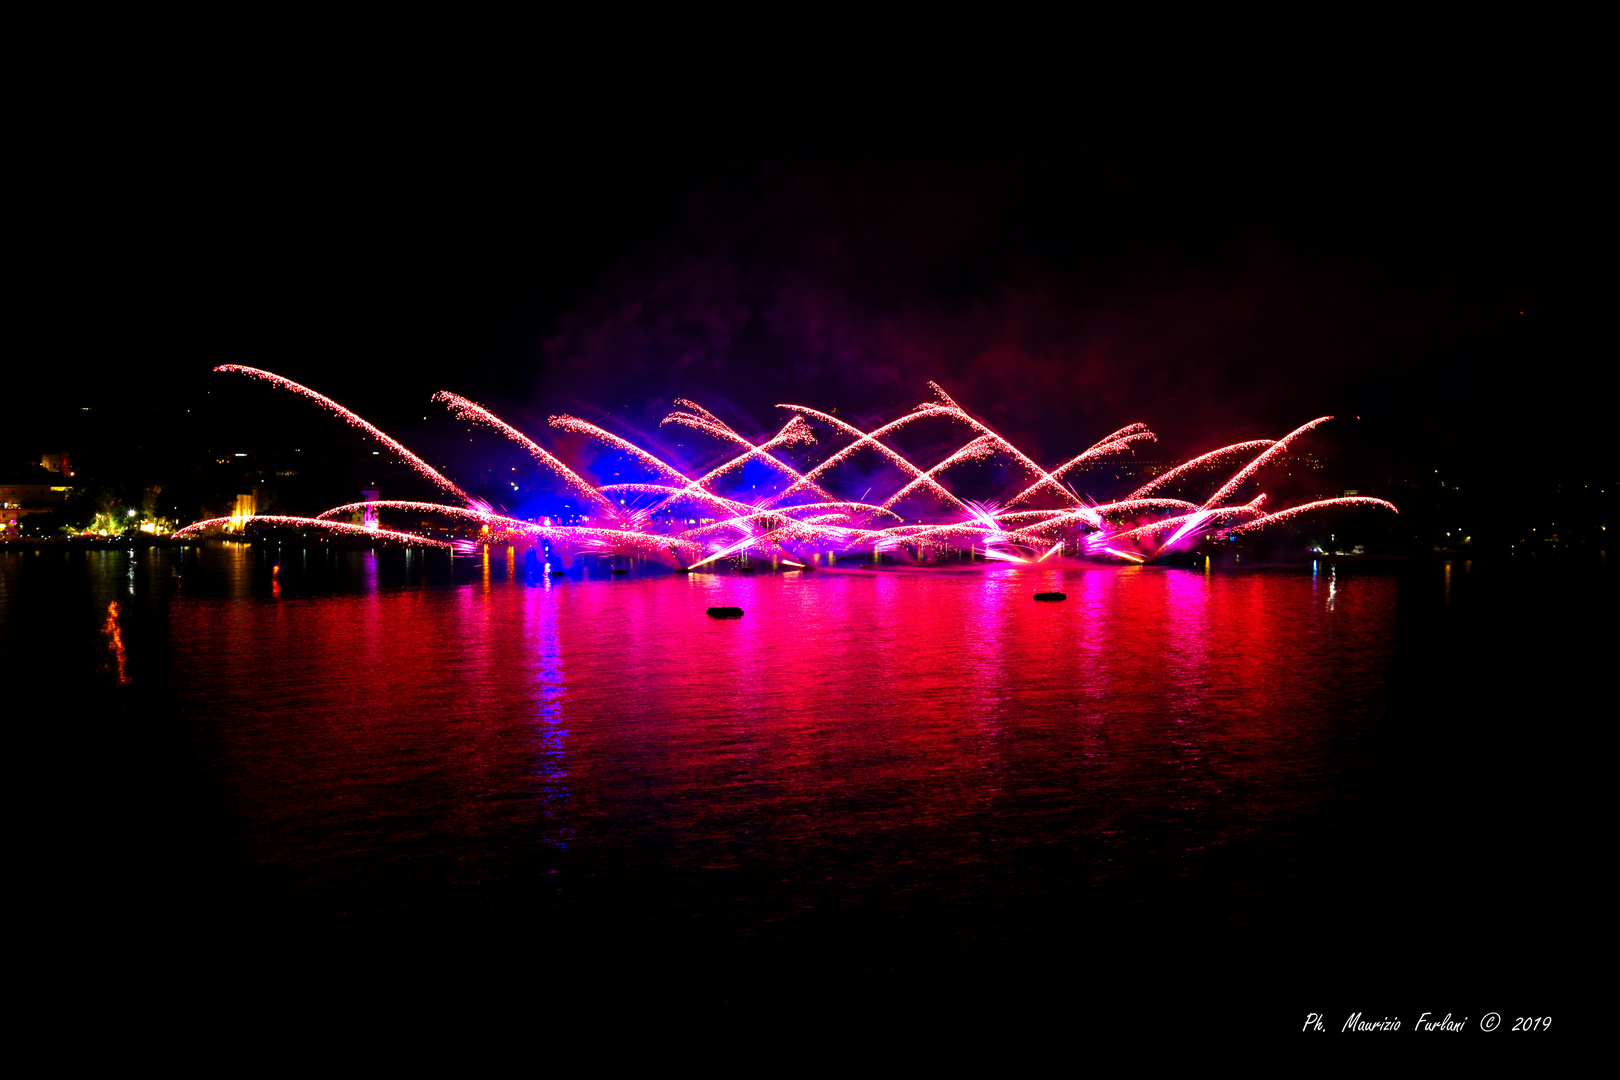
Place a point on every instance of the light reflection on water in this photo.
(848, 724)
(867, 772)
(391, 741)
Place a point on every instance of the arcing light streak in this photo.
(1197, 517)
(1345, 500)
(580, 427)
(353, 419)
(819, 520)
(471, 410)
(1254, 466)
(475, 515)
(795, 432)
(343, 527)
(674, 494)
(733, 549)
(980, 448)
(1119, 441)
(1194, 519)
(851, 507)
(951, 408)
(866, 439)
(1202, 459)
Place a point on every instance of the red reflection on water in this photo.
(847, 725)
(115, 642)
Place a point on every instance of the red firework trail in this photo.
(867, 439)
(353, 419)
(342, 527)
(795, 432)
(820, 520)
(951, 408)
(1203, 459)
(470, 410)
(580, 427)
(1254, 466)
(1343, 500)
(1118, 442)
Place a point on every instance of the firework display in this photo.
(690, 521)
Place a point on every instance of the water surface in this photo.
(376, 765)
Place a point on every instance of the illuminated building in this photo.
(27, 491)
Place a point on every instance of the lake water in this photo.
(1246, 791)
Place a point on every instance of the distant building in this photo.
(29, 490)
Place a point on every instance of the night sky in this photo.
(1220, 258)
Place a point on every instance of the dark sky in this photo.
(1223, 257)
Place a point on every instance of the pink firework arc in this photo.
(689, 521)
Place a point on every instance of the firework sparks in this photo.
(470, 410)
(343, 527)
(817, 520)
(354, 420)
